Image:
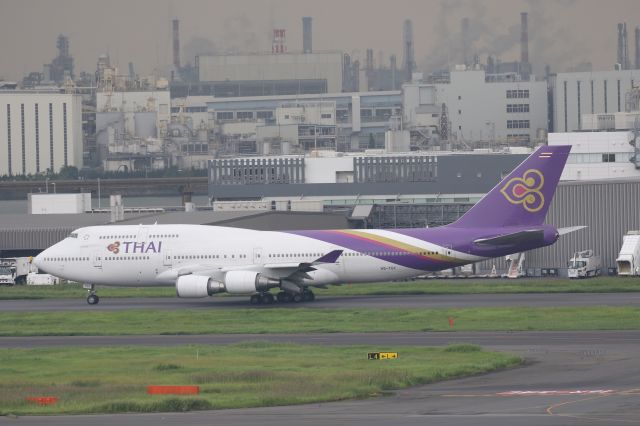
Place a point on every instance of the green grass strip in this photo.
(300, 320)
(252, 374)
(432, 286)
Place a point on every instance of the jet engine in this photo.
(235, 282)
(197, 286)
(244, 282)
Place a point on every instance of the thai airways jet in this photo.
(202, 260)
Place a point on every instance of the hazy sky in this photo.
(563, 33)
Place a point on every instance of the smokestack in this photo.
(464, 29)
(369, 62)
(638, 47)
(176, 43)
(392, 66)
(409, 63)
(625, 48)
(307, 40)
(525, 67)
(623, 51)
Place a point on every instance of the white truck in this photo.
(14, 270)
(628, 260)
(33, 278)
(584, 264)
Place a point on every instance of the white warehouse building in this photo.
(578, 93)
(39, 132)
(598, 155)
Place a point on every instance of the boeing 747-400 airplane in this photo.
(202, 260)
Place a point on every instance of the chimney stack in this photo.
(623, 50)
(525, 67)
(464, 28)
(409, 62)
(176, 43)
(638, 47)
(307, 37)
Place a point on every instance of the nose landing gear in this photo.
(92, 298)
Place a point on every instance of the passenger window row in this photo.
(66, 259)
(210, 256)
(127, 258)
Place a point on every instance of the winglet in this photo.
(330, 257)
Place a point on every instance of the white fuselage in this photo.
(149, 255)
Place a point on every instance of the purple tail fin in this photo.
(523, 197)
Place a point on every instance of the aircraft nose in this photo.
(39, 260)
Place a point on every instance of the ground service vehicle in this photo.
(584, 264)
(14, 270)
(628, 260)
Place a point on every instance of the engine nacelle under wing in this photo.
(243, 282)
(192, 286)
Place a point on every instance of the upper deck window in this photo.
(73, 235)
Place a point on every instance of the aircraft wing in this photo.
(330, 257)
(299, 271)
(513, 238)
(292, 271)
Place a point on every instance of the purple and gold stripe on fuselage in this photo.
(384, 248)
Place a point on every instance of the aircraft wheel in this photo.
(308, 296)
(266, 298)
(93, 299)
(255, 299)
(284, 297)
(297, 298)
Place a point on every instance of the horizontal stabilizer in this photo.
(569, 229)
(514, 238)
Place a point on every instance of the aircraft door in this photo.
(167, 258)
(97, 259)
(143, 233)
(257, 256)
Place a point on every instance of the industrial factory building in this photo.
(345, 121)
(598, 92)
(39, 132)
(479, 108)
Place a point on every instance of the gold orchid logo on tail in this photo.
(525, 190)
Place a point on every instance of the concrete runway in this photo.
(425, 301)
(570, 378)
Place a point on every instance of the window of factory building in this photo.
(608, 158)
(244, 115)
(264, 114)
(518, 94)
(517, 107)
(518, 124)
(225, 115)
(365, 113)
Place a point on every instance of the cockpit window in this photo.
(73, 235)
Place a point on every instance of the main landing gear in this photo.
(92, 298)
(282, 297)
